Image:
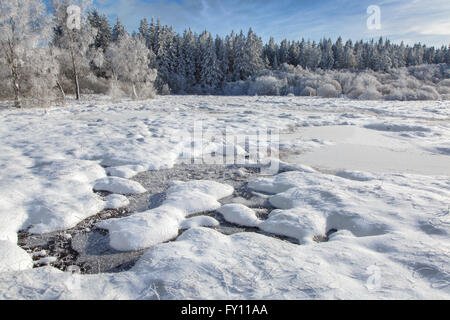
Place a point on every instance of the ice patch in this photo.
(119, 186)
(239, 214)
(395, 127)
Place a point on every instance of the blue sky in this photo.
(427, 21)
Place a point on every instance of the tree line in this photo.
(40, 56)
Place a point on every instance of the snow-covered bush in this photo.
(444, 83)
(238, 88)
(427, 93)
(309, 92)
(267, 86)
(327, 91)
(370, 94)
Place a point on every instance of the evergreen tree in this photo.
(118, 31)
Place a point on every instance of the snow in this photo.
(126, 172)
(152, 227)
(239, 214)
(45, 261)
(197, 196)
(298, 223)
(116, 201)
(395, 127)
(200, 221)
(119, 185)
(13, 258)
(385, 191)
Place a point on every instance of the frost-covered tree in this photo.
(75, 40)
(190, 56)
(294, 53)
(145, 32)
(101, 24)
(338, 50)
(222, 57)
(271, 53)
(210, 73)
(129, 59)
(25, 26)
(327, 61)
(254, 46)
(118, 31)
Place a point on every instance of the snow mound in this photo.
(60, 194)
(119, 185)
(395, 127)
(197, 196)
(13, 258)
(239, 214)
(116, 201)
(146, 229)
(143, 230)
(200, 221)
(298, 223)
(356, 175)
(126, 172)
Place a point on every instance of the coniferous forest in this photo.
(42, 59)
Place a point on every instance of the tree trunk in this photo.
(75, 72)
(16, 87)
(12, 59)
(135, 96)
(61, 90)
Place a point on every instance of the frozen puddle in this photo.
(372, 149)
(89, 247)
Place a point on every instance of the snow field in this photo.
(387, 218)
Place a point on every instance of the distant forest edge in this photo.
(42, 59)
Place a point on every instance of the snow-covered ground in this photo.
(369, 178)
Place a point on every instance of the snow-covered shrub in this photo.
(406, 94)
(444, 83)
(370, 94)
(309, 92)
(327, 91)
(427, 93)
(265, 85)
(335, 84)
(443, 90)
(90, 84)
(117, 90)
(238, 88)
